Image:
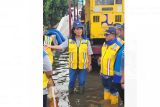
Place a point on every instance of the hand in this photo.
(44, 47)
(122, 81)
(89, 68)
(50, 82)
(47, 46)
(122, 85)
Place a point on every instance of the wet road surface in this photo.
(93, 96)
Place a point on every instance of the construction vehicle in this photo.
(99, 15)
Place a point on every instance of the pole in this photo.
(69, 12)
(77, 9)
(74, 10)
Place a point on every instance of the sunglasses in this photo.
(107, 34)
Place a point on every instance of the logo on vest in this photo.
(83, 42)
(114, 47)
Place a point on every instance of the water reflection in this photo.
(61, 79)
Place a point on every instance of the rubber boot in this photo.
(114, 99)
(81, 90)
(107, 95)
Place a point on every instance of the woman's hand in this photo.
(47, 46)
(89, 68)
(122, 85)
(50, 82)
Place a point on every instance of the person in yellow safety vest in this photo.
(49, 40)
(47, 76)
(119, 32)
(80, 52)
(108, 55)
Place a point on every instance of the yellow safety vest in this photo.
(120, 40)
(108, 59)
(78, 56)
(45, 80)
(48, 40)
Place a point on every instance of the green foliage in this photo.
(53, 11)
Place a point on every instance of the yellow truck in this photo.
(97, 16)
(100, 14)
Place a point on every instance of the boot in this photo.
(107, 95)
(114, 99)
(81, 90)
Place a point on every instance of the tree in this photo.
(54, 10)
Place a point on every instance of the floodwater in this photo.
(61, 79)
(93, 96)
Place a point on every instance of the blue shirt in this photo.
(119, 65)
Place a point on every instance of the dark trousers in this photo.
(120, 91)
(109, 84)
(45, 101)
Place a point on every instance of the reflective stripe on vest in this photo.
(108, 59)
(78, 56)
(71, 59)
(85, 60)
(108, 66)
(47, 40)
(118, 73)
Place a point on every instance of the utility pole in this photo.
(69, 12)
(74, 10)
(77, 9)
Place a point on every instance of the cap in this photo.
(77, 24)
(118, 26)
(111, 30)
